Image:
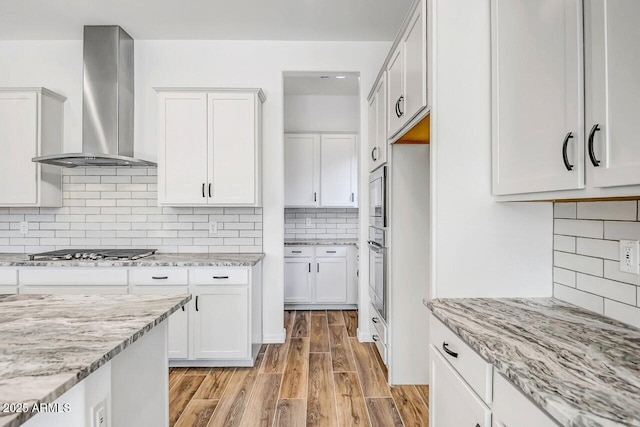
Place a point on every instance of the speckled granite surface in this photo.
(157, 260)
(582, 368)
(38, 363)
(320, 242)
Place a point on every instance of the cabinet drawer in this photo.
(219, 276)
(158, 276)
(473, 368)
(327, 251)
(73, 276)
(512, 408)
(291, 251)
(8, 277)
(74, 290)
(377, 324)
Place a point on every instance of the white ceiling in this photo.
(325, 20)
(320, 83)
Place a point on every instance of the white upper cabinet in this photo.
(537, 96)
(321, 170)
(612, 61)
(209, 147)
(407, 73)
(31, 125)
(302, 170)
(378, 125)
(338, 171)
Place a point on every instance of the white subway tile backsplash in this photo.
(591, 278)
(580, 228)
(108, 207)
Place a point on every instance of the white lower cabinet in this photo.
(453, 403)
(298, 280)
(331, 280)
(221, 322)
(465, 390)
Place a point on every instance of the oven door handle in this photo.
(375, 247)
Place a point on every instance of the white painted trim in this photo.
(41, 90)
(257, 91)
(274, 338)
(364, 336)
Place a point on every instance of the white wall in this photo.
(322, 113)
(481, 248)
(58, 66)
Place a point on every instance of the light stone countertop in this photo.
(157, 260)
(321, 242)
(582, 368)
(37, 364)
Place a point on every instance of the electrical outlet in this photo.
(213, 227)
(24, 227)
(100, 415)
(629, 256)
(308, 222)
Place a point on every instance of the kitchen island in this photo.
(69, 360)
(579, 367)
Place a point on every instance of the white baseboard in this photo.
(364, 336)
(274, 338)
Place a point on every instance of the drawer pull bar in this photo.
(197, 303)
(159, 277)
(374, 319)
(296, 252)
(331, 252)
(220, 277)
(445, 347)
(375, 338)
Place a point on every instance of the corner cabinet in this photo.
(31, 125)
(209, 143)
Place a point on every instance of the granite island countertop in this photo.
(321, 242)
(582, 368)
(37, 362)
(157, 260)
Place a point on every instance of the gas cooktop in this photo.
(93, 254)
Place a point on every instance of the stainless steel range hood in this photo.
(107, 102)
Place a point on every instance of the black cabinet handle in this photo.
(398, 107)
(315, 197)
(220, 277)
(445, 347)
(353, 197)
(568, 165)
(209, 189)
(203, 190)
(318, 267)
(374, 319)
(309, 267)
(592, 154)
(373, 154)
(197, 303)
(296, 252)
(331, 252)
(183, 308)
(375, 338)
(159, 277)
(400, 100)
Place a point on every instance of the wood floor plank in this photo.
(341, 354)
(335, 317)
(301, 322)
(296, 371)
(373, 381)
(385, 371)
(197, 413)
(291, 413)
(275, 358)
(424, 393)
(261, 409)
(289, 315)
(352, 410)
(413, 411)
(197, 371)
(321, 408)
(174, 376)
(215, 383)
(319, 334)
(318, 313)
(181, 394)
(383, 413)
(263, 348)
(234, 401)
(351, 322)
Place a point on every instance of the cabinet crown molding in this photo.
(257, 91)
(41, 90)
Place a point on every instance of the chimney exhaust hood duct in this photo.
(107, 102)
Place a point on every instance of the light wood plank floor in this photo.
(321, 376)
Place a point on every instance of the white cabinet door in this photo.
(537, 96)
(232, 148)
(183, 154)
(612, 49)
(452, 402)
(395, 83)
(221, 322)
(18, 144)
(298, 279)
(378, 125)
(178, 321)
(331, 280)
(301, 170)
(415, 66)
(338, 171)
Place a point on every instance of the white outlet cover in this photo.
(213, 227)
(629, 262)
(24, 227)
(308, 222)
